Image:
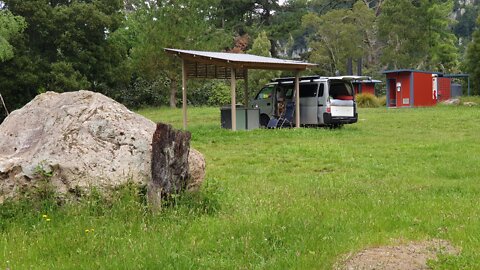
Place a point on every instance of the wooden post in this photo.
(297, 99)
(233, 82)
(170, 150)
(246, 97)
(468, 81)
(184, 94)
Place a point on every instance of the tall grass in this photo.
(475, 99)
(367, 100)
(276, 199)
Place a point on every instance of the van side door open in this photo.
(309, 103)
(324, 101)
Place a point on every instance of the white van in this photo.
(324, 101)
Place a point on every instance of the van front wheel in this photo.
(264, 119)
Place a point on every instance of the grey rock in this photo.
(84, 138)
(452, 101)
(196, 169)
(469, 103)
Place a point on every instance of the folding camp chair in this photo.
(287, 118)
(284, 120)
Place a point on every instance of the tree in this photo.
(417, 34)
(171, 24)
(472, 59)
(400, 33)
(66, 46)
(338, 35)
(257, 78)
(10, 25)
(285, 30)
(443, 54)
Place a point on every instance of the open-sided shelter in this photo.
(233, 66)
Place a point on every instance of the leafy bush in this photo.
(142, 92)
(208, 92)
(367, 101)
(219, 95)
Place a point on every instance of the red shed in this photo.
(413, 88)
(365, 86)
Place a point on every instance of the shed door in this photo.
(392, 91)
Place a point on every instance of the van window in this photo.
(265, 93)
(320, 91)
(308, 90)
(340, 88)
(289, 93)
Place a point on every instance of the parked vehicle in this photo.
(324, 101)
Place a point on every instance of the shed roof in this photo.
(410, 70)
(456, 75)
(367, 81)
(204, 64)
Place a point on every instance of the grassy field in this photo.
(276, 199)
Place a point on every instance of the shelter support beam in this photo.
(468, 79)
(297, 99)
(233, 85)
(184, 94)
(246, 95)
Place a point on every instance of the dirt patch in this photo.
(409, 256)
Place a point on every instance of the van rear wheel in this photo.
(336, 126)
(264, 119)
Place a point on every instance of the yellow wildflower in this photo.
(44, 216)
(47, 219)
(87, 231)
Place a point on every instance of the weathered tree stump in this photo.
(170, 150)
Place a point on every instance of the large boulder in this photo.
(84, 139)
(196, 169)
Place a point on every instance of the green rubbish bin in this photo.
(247, 119)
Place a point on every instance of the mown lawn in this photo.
(277, 199)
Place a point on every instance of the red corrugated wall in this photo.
(368, 88)
(444, 88)
(423, 89)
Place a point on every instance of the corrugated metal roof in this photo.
(246, 60)
(410, 70)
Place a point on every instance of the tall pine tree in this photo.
(472, 59)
